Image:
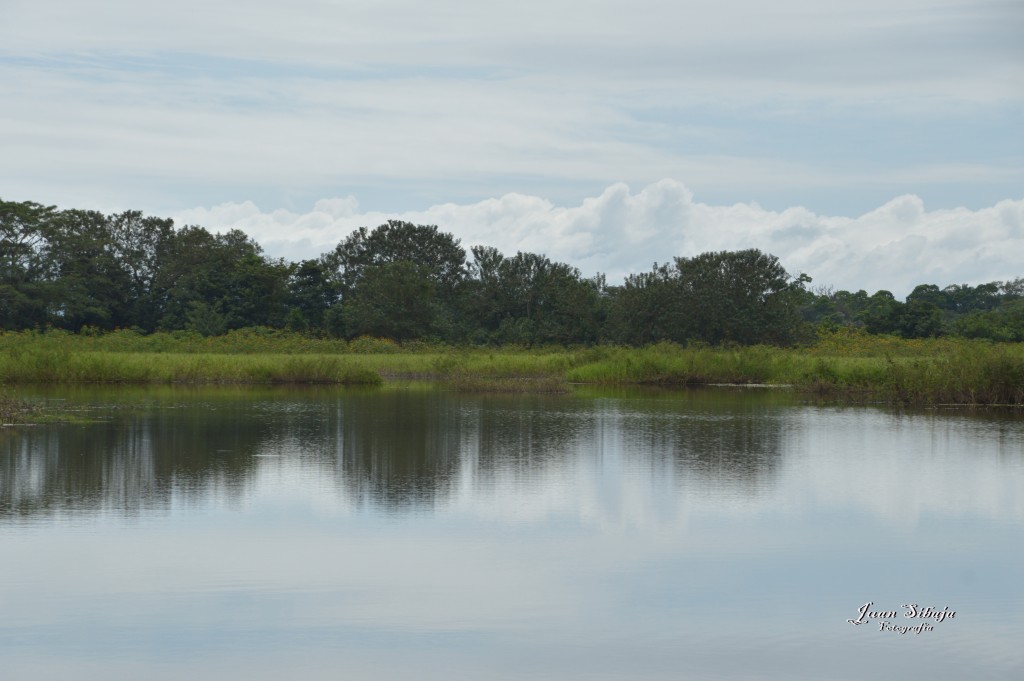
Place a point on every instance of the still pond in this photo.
(410, 532)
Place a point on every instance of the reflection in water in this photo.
(422, 450)
(415, 533)
(396, 450)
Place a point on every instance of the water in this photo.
(412, 533)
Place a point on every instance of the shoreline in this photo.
(844, 366)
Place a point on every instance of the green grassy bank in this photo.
(851, 364)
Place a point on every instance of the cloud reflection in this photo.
(616, 461)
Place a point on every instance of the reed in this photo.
(849, 363)
(47, 366)
(670, 364)
(944, 372)
(476, 384)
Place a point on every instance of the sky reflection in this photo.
(581, 537)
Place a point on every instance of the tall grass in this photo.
(668, 364)
(992, 375)
(258, 340)
(936, 372)
(47, 366)
(850, 363)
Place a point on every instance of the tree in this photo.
(200, 275)
(882, 313)
(920, 319)
(739, 296)
(188, 272)
(1005, 323)
(24, 285)
(646, 309)
(962, 299)
(138, 241)
(438, 255)
(930, 294)
(393, 300)
(529, 299)
(311, 292)
(256, 292)
(1011, 289)
(728, 296)
(91, 286)
(850, 305)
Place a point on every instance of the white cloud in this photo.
(120, 104)
(895, 247)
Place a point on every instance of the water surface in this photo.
(409, 532)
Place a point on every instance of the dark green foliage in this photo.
(741, 297)
(137, 242)
(963, 299)
(1003, 324)
(528, 299)
(882, 313)
(437, 255)
(311, 292)
(24, 276)
(434, 274)
(920, 319)
(82, 270)
(393, 300)
(973, 311)
(646, 308)
(202, 276)
(90, 282)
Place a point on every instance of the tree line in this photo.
(75, 269)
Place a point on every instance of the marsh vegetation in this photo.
(847, 363)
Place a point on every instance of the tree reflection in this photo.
(398, 450)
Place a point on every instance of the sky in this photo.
(868, 144)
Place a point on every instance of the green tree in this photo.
(91, 286)
(138, 241)
(882, 314)
(647, 309)
(1009, 290)
(740, 296)
(394, 300)
(962, 299)
(188, 272)
(920, 319)
(200, 274)
(727, 296)
(311, 292)
(256, 292)
(1003, 324)
(437, 257)
(24, 276)
(529, 299)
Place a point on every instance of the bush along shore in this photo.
(846, 363)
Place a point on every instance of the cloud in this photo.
(873, 45)
(838, 107)
(895, 247)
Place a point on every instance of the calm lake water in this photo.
(413, 533)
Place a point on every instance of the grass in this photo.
(45, 366)
(485, 384)
(847, 363)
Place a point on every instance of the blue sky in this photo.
(729, 124)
